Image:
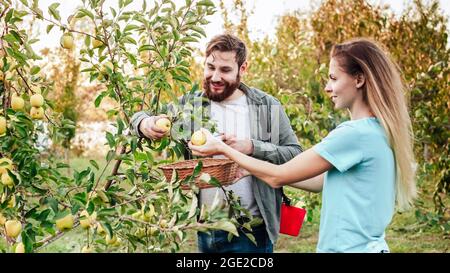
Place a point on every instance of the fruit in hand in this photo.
(198, 138)
(163, 124)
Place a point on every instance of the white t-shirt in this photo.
(232, 117)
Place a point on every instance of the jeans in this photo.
(217, 242)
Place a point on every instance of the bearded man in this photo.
(249, 120)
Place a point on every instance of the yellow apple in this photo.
(147, 216)
(137, 215)
(89, 220)
(7, 180)
(118, 242)
(65, 223)
(4, 167)
(104, 72)
(87, 249)
(12, 202)
(17, 103)
(36, 100)
(13, 228)
(163, 124)
(152, 231)
(163, 223)
(100, 229)
(2, 125)
(37, 112)
(96, 43)
(198, 138)
(67, 41)
(20, 248)
(109, 240)
(2, 219)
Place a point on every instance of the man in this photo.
(252, 122)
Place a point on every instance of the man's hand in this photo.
(150, 130)
(244, 146)
(240, 173)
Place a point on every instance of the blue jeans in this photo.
(217, 242)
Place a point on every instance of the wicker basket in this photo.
(224, 170)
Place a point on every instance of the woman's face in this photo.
(341, 87)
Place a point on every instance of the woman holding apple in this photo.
(364, 166)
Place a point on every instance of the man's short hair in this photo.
(228, 42)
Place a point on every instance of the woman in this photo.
(364, 166)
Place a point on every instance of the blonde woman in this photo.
(364, 166)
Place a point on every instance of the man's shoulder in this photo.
(260, 95)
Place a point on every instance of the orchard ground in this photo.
(403, 235)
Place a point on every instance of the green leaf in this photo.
(49, 28)
(35, 69)
(99, 99)
(85, 12)
(94, 163)
(110, 139)
(194, 205)
(207, 3)
(199, 30)
(53, 203)
(226, 226)
(111, 154)
(197, 168)
(52, 9)
(213, 181)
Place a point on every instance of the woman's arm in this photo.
(314, 184)
(304, 166)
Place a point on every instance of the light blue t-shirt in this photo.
(358, 197)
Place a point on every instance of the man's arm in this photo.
(136, 120)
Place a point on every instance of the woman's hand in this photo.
(213, 146)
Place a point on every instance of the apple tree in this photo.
(142, 59)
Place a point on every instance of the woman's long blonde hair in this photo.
(384, 92)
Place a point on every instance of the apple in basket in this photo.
(198, 138)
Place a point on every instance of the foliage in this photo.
(140, 57)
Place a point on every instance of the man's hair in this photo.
(228, 42)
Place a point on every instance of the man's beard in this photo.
(228, 89)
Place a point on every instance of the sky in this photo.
(261, 23)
